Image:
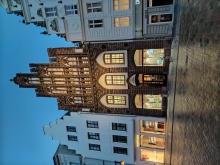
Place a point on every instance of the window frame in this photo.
(120, 150)
(93, 24)
(72, 11)
(111, 59)
(114, 99)
(120, 21)
(52, 13)
(119, 139)
(93, 8)
(119, 127)
(112, 79)
(92, 124)
(72, 138)
(118, 5)
(94, 147)
(70, 128)
(93, 136)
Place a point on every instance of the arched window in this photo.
(39, 13)
(149, 57)
(115, 101)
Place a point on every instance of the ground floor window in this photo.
(152, 142)
(148, 101)
(154, 127)
(152, 156)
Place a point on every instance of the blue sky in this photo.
(22, 114)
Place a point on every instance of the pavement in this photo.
(193, 118)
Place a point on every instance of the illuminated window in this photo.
(71, 9)
(51, 11)
(72, 138)
(94, 7)
(94, 147)
(119, 126)
(71, 129)
(118, 100)
(121, 4)
(120, 139)
(114, 58)
(148, 101)
(94, 136)
(120, 150)
(121, 21)
(115, 80)
(95, 23)
(92, 124)
(149, 57)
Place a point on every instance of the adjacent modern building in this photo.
(97, 20)
(113, 138)
(118, 77)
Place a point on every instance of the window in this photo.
(72, 138)
(115, 80)
(119, 100)
(120, 139)
(120, 150)
(119, 126)
(95, 23)
(94, 7)
(160, 18)
(71, 9)
(114, 58)
(148, 101)
(121, 4)
(92, 135)
(122, 21)
(94, 147)
(71, 129)
(39, 13)
(92, 124)
(51, 11)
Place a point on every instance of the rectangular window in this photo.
(120, 150)
(72, 138)
(94, 7)
(92, 124)
(118, 100)
(119, 126)
(71, 9)
(95, 23)
(71, 129)
(161, 18)
(121, 21)
(51, 11)
(94, 147)
(121, 4)
(115, 80)
(120, 139)
(92, 135)
(114, 58)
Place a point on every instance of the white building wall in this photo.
(58, 132)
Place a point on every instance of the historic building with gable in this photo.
(117, 77)
(97, 20)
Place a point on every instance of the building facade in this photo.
(119, 78)
(97, 20)
(113, 138)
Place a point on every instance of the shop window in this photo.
(160, 18)
(149, 57)
(154, 127)
(148, 101)
(152, 142)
